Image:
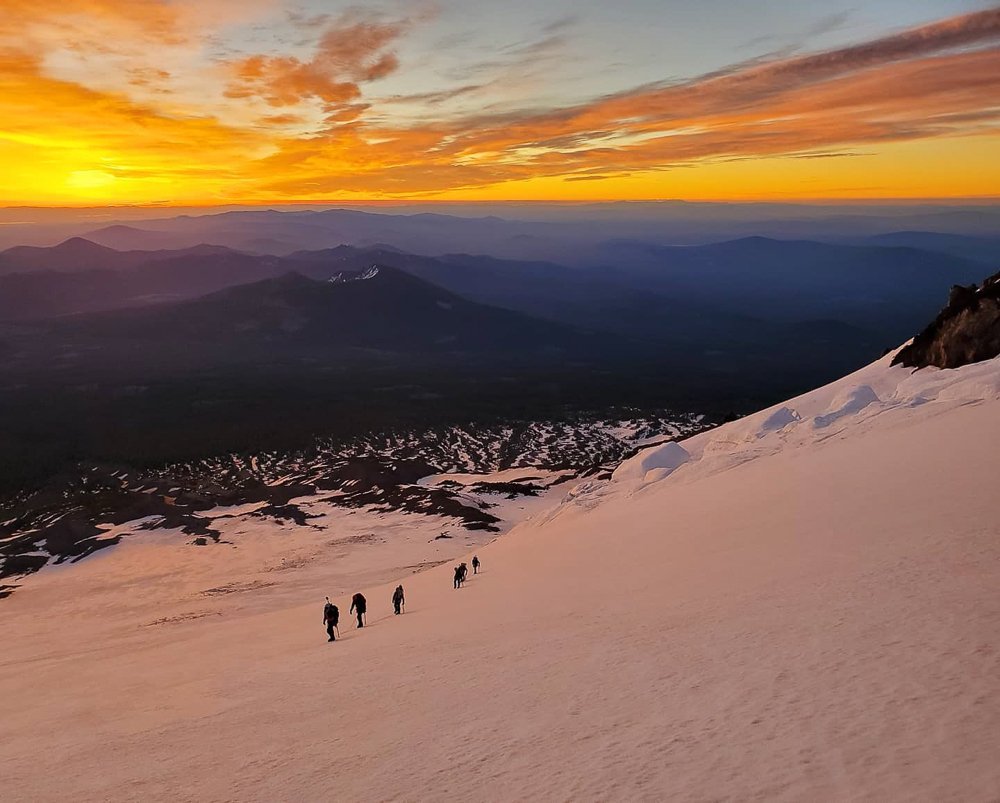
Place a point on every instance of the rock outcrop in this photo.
(967, 330)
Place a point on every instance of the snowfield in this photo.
(801, 605)
(464, 474)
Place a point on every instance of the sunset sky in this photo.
(270, 101)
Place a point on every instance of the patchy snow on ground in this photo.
(792, 612)
(64, 522)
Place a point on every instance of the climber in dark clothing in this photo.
(398, 600)
(475, 564)
(359, 604)
(459, 576)
(465, 571)
(331, 616)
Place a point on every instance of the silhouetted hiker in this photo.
(397, 599)
(465, 571)
(359, 604)
(459, 577)
(331, 616)
(475, 564)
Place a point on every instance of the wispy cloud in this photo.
(825, 25)
(931, 81)
(437, 97)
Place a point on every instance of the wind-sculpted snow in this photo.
(851, 402)
(875, 391)
(779, 419)
(660, 459)
(392, 471)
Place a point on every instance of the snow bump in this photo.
(851, 402)
(659, 462)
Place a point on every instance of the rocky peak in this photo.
(967, 330)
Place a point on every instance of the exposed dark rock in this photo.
(479, 525)
(286, 513)
(367, 472)
(69, 537)
(967, 330)
(22, 564)
(509, 489)
(427, 501)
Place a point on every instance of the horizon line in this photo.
(805, 201)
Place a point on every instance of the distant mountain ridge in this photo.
(776, 300)
(560, 235)
(295, 317)
(799, 279)
(983, 249)
(634, 288)
(80, 254)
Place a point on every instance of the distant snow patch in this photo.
(346, 276)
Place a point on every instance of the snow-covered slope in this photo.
(802, 605)
(874, 397)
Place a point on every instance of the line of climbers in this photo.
(359, 605)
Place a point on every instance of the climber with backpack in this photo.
(359, 604)
(331, 616)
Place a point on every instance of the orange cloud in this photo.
(353, 50)
(154, 14)
(772, 90)
(922, 83)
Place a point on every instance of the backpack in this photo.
(331, 613)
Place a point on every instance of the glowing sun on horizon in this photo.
(90, 179)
